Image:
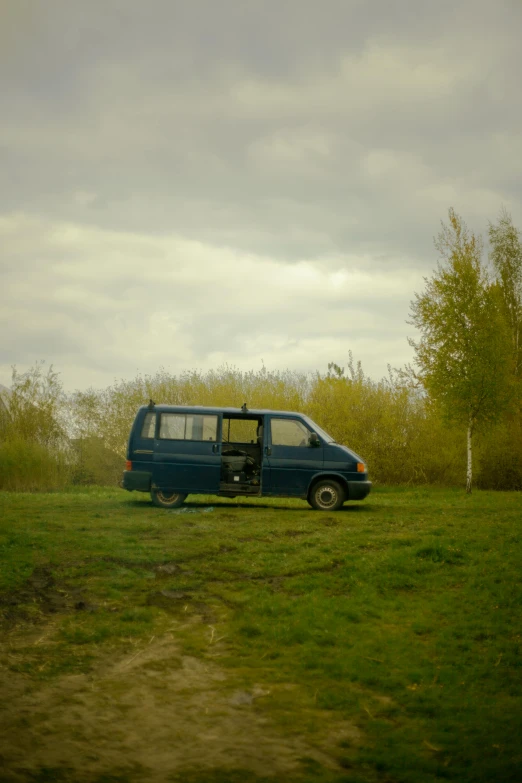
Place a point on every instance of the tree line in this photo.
(469, 355)
(453, 417)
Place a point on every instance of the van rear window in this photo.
(188, 426)
(149, 425)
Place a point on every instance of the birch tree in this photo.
(463, 355)
(506, 256)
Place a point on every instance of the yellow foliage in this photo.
(390, 425)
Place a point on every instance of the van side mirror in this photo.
(313, 440)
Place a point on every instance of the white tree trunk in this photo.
(469, 473)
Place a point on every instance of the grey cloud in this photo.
(117, 300)
(338, 133)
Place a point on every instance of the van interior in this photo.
(241, 453)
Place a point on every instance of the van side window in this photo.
(289, 432)
(149, 425)
(172, 426)
(201, 427)
(186, 426)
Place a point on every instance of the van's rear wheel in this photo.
(167, 499)
(326, 496)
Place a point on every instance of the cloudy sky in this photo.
(191, 183)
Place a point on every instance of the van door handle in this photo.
(268, 451)
(215, 448)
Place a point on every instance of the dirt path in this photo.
(151, 716)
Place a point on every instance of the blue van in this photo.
(175, 451)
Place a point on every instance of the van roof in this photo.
(214, 409)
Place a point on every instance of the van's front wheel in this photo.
(167, 499)
(326, 495)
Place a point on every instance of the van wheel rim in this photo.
(168, 498)
(326, 497)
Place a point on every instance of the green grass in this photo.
(387, 637)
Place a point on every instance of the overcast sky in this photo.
(188, 183)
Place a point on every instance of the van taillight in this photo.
(361, 467)
(128, 465)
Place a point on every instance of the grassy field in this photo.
(228, 642)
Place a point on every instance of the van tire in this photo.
(326, 495)
(166, 499)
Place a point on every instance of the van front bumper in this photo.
(357, 490)
(136, 479)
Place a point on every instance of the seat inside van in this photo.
(241, 453)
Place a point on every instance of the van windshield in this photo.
(316, 428)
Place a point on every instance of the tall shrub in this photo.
(34, 448)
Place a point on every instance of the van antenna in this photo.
(244, 408)
(151, 404)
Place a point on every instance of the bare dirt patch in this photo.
(148, 717)
(39, 596)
